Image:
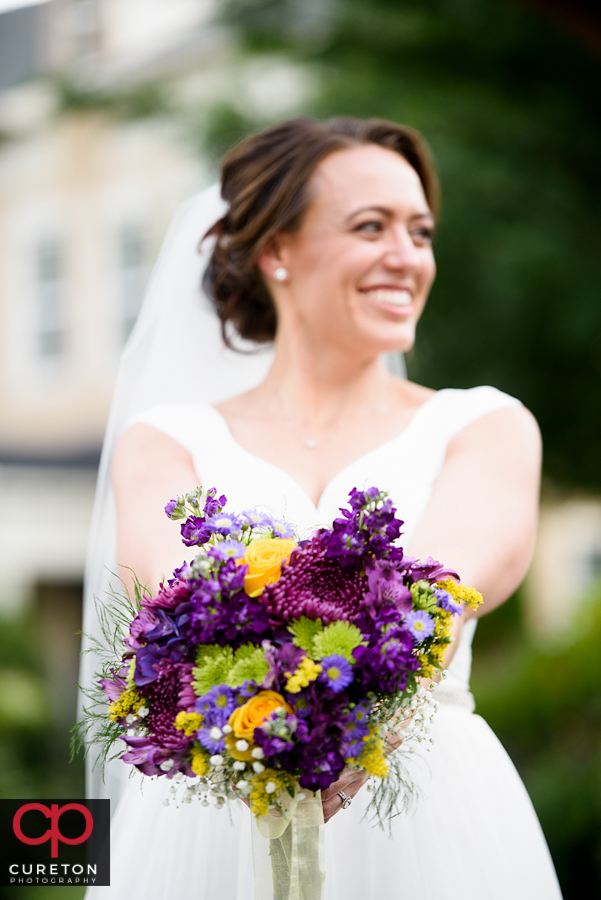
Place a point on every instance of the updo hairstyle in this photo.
(265, 181)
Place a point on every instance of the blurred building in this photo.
(98, 99)
(85, 197)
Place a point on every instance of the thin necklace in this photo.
(310, 443)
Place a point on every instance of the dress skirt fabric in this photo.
(475, 838)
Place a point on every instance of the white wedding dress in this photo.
(472, 833)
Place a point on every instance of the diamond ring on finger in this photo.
(346, 800)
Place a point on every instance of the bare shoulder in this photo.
(511, 431)
(144, 453)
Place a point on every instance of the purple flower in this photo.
(322, 767)
(169, 596)
(209, 740)
(216, 705)
(315, 586)
(446, 601)
(360, 500)
(420, 624)
(212, 505)
(163, 696)
(247, 689)
(186, 697)
(144, 622)
(428, 570)
(385, 664)
(345, 541)
(370, 526)
(256, 518)
(357, 727)
(337, 672)
(282, 529)
(224, 523)
(171, 507)
(195, 531)
(114, 687)
(386, 587)
(227, 549)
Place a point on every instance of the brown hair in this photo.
(265, 181)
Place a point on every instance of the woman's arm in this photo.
(481, 520)
(482, 516)
(149, 468)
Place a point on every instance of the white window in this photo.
(132, 275)
(85, 26)
(49, 301)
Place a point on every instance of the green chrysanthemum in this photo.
(249, 664)
(304, 631)
(337, 638)
(213, 665)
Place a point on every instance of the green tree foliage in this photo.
(512, 110)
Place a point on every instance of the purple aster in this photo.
(224, 523)
(247, 689)
(282, 529)
(227, 549)
(357, 727)
(420, 624)
(209, 740)
(255, 518)
(446, 601)
(217, 705)
(337, 672)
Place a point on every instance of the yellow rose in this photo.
(257, 710)
(265, 559)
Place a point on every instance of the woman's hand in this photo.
(350, 782)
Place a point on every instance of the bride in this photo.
(325, 250)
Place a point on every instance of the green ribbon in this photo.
(289, 850)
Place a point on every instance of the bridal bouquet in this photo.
(267, 664)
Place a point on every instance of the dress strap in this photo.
(193, 425)
(452, 409)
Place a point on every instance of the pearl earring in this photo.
(280, 274)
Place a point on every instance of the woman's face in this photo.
(361, 265)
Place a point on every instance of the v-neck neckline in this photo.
(415, 418)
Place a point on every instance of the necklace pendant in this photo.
(310, 444)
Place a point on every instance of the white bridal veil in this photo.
(174, 354)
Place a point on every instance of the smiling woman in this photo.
(326, 250)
